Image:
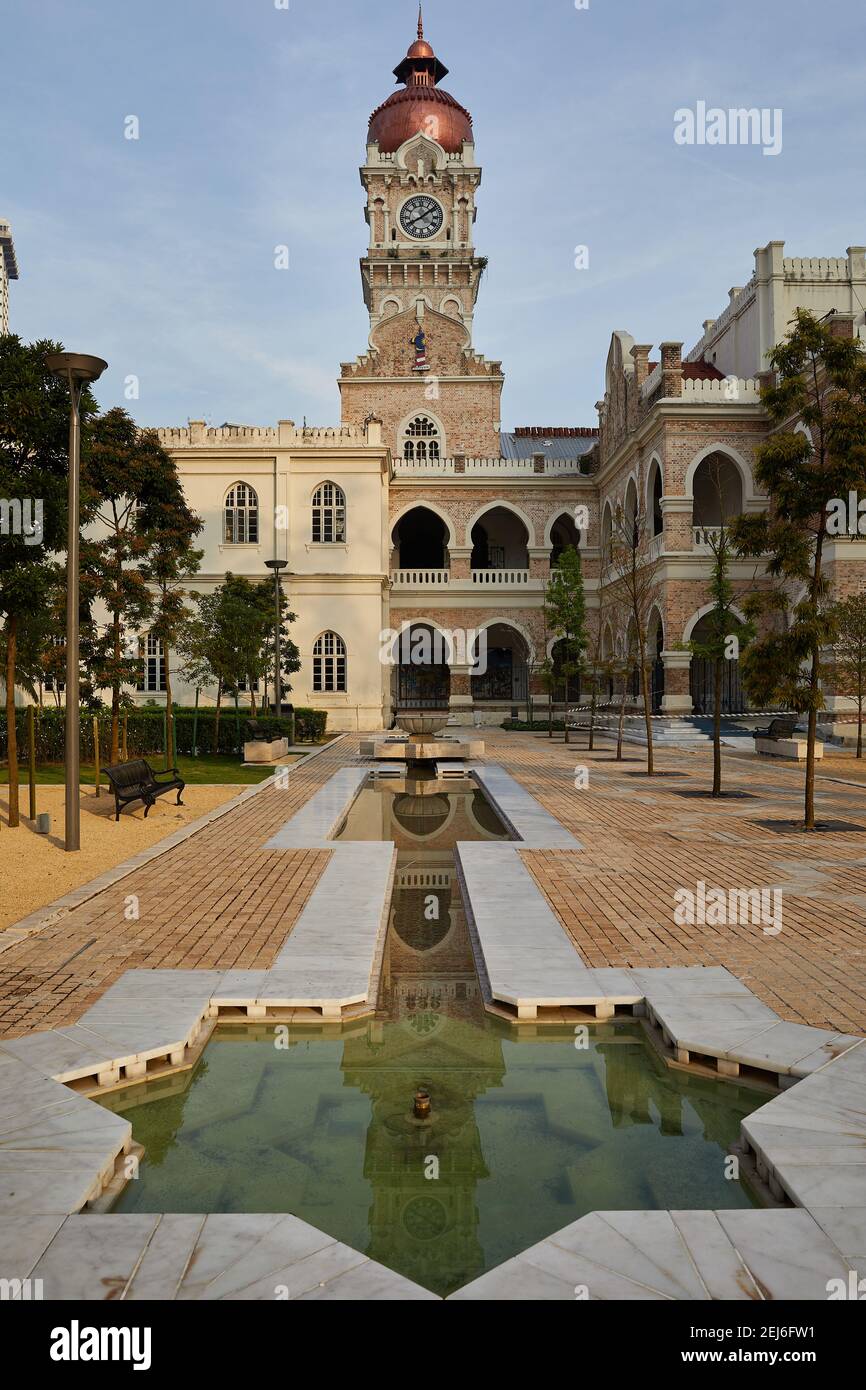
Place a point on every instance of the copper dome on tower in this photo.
(421, 105)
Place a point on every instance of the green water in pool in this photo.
(530, 1129)
(524, 1137)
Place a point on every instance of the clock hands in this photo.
(427, 217)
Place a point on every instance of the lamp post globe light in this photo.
(278, 566)
(78, 370)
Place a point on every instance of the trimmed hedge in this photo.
(538, 726)
(145, 731)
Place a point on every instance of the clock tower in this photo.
(421, 275)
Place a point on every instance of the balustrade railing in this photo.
(705, 537)
(500, 577)
(420, 578)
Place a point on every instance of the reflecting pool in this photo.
(529, 1129)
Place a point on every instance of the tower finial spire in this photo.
(420, 22)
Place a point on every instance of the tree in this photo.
(633, 574)
(597, 665)
(229, 640)
(726, 632)
(808, 474)
(131, 476)
(194, 646)
(32, 638)
(849, 619)
(247, 612)
(565, 616)
(171, 561)
(290, 656)
(199, 648)
(34, 462)
(546, 675)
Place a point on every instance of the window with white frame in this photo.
(329, 515)
(50, 680)
(421, 440)
(329, 663)
(153, 677)
(242, 516)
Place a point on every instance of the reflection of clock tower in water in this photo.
(421, 275)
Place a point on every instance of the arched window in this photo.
(654, 499)
(329, 663)
(329, 515)
(242, 516)
(606, 534)
(422, 440)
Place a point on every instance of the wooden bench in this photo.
(137, 781)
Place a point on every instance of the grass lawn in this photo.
(207, 769)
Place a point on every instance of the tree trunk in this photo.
(592, 705)
(814, 677)
(216, 722)
(648, 718)
(621, 723)
(809, 816)
(717, 727)
(11, 732)
(252, 696)
(550, 712)
(565, 716)
(11, 729)
(115, 695)
(860, 725)
(169, 712)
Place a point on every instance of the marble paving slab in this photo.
(312, 826)
(534, 827)
(528, 958)
(270, 1258)
(693, 1256)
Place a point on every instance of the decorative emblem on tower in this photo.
(419, 342)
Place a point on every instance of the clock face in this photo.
(421, 217)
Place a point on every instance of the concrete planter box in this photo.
(266, 752)
(791, 748)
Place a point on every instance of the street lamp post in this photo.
(277, 566)
(77, 370)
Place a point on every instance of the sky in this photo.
(158, 253)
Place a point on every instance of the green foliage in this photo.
(230, 638)
(849, 617)
(145, 731)
(565, 616)
(849, 620)
(537, 725)
(820, 380)
(133, 485)
(722, 622)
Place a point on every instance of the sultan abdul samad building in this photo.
(419, 510)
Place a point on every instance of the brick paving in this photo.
(221, 901)
(642, 841)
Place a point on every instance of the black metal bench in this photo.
(779, 728)
(137, 781)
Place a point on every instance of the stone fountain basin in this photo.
(424, 723)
